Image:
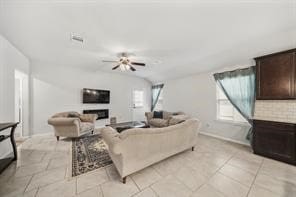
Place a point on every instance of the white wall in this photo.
(57, 89)
(10, 59)
(196, 95)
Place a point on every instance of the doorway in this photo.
(21, 100)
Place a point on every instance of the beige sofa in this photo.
(169, 118)
(137, 148)
(72, 124)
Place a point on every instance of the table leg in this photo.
(13, 142)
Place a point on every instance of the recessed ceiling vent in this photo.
(76, 38)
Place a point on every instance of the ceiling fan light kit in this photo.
(124, 67)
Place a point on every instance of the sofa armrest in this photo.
(111, 137)
(64, 121)
(88, 117)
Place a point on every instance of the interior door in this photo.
(18, 106)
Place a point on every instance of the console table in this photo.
(4, 163)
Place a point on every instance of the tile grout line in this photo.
(239, 167)
(36, 192)
(222, 165)
(135, 184)
(149, 184)
(154, 191)
(208, 179)
(76, 180)
(249, 187)
(178, 180)
(234, 166)
(276, 178)
(100, 188)
(108, 175)
(216, 190)
(255, 178)
(235, 180)
(156, 171)
(28, 184)
(38, 188)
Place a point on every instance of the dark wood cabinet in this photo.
(276, 76)
(276, 140)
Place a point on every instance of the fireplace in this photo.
(102, 113)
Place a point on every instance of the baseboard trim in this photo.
(224, 138)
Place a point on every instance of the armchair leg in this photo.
(124, 180)
(192, 148)
(58, 138)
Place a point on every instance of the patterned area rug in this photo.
(89, 153)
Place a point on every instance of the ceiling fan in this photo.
(124, 63)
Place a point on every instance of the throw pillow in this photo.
(158, 114)
(84, 118)
(157, 122)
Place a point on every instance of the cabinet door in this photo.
(275, 76)
(275, 140)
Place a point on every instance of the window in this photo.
(159, 104)
(225, 110)
(138, 98)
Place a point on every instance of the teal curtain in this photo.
(239, 88)
(156, 89)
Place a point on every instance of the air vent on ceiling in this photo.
(76, 38)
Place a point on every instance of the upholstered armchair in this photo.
(72, 124)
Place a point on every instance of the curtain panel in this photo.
(156, 90)
(239, 87)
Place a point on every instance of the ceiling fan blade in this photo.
(109, 61)
(132, 68)
(115, 67)
(138, 64)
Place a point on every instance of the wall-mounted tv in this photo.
(95, 96)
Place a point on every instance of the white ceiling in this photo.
(175, 39)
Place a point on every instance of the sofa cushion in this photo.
(158, 114)
(181, 117)
(88, 117)
(174, 121)
(157, 122)
(86, 127)
(73, 115)
(63, 114)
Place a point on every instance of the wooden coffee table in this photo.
(128, 125)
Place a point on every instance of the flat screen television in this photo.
(95, 96)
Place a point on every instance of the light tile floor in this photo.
(215, 169)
